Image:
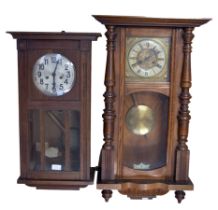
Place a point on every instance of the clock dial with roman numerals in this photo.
(147, 58)
(54, 74)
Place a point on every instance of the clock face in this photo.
(54, 74)
(147, 58)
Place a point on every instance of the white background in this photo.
(75, 16)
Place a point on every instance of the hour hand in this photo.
(54, 87)
(137, 63)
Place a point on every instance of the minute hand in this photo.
(54, 75)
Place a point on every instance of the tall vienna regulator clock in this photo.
(146, 116)
(54, 105)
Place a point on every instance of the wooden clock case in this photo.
(54, 113)
(173, 175)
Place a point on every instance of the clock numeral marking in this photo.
(68, 74)
(161, 59)
(60, 61)
(157, 52)
(46, 61)
(147, 44)
(134, 58)
(46, 86)
(66, 81)
(140, 45)
(39, 73)
(134, 64)
(61, 87)
(41, 66)
(53, 59)
(159, 66)
(41, 81)
(146, 74)
(66, 67)
(139, 71)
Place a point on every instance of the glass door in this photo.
(54, 140)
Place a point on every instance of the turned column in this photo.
(182, 155)
(109, 113)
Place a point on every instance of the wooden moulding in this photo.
(128, 21)
(136, 190)
(54, 35)
(58, 184)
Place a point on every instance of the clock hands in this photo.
(54, 76)
(141, 61)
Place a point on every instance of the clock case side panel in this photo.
(23, 111)
(85, 63)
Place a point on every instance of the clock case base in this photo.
(58, 184)
(139, 189)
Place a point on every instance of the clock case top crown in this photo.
(137, 21)
(113, 175)
(54, 35)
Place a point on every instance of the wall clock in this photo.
(54, 101)
(146, 116)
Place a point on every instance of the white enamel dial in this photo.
(54, 74)
(147, 58)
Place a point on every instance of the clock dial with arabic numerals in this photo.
(55, 108)
(147, 58)
(54, 74)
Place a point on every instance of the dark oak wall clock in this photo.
(146, 116)
(54, 106)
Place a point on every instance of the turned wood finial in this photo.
(179, 195)
(106, 194)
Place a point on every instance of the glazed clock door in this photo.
(145, 114)
(54, 127)
(54, 133)
(54, 141)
